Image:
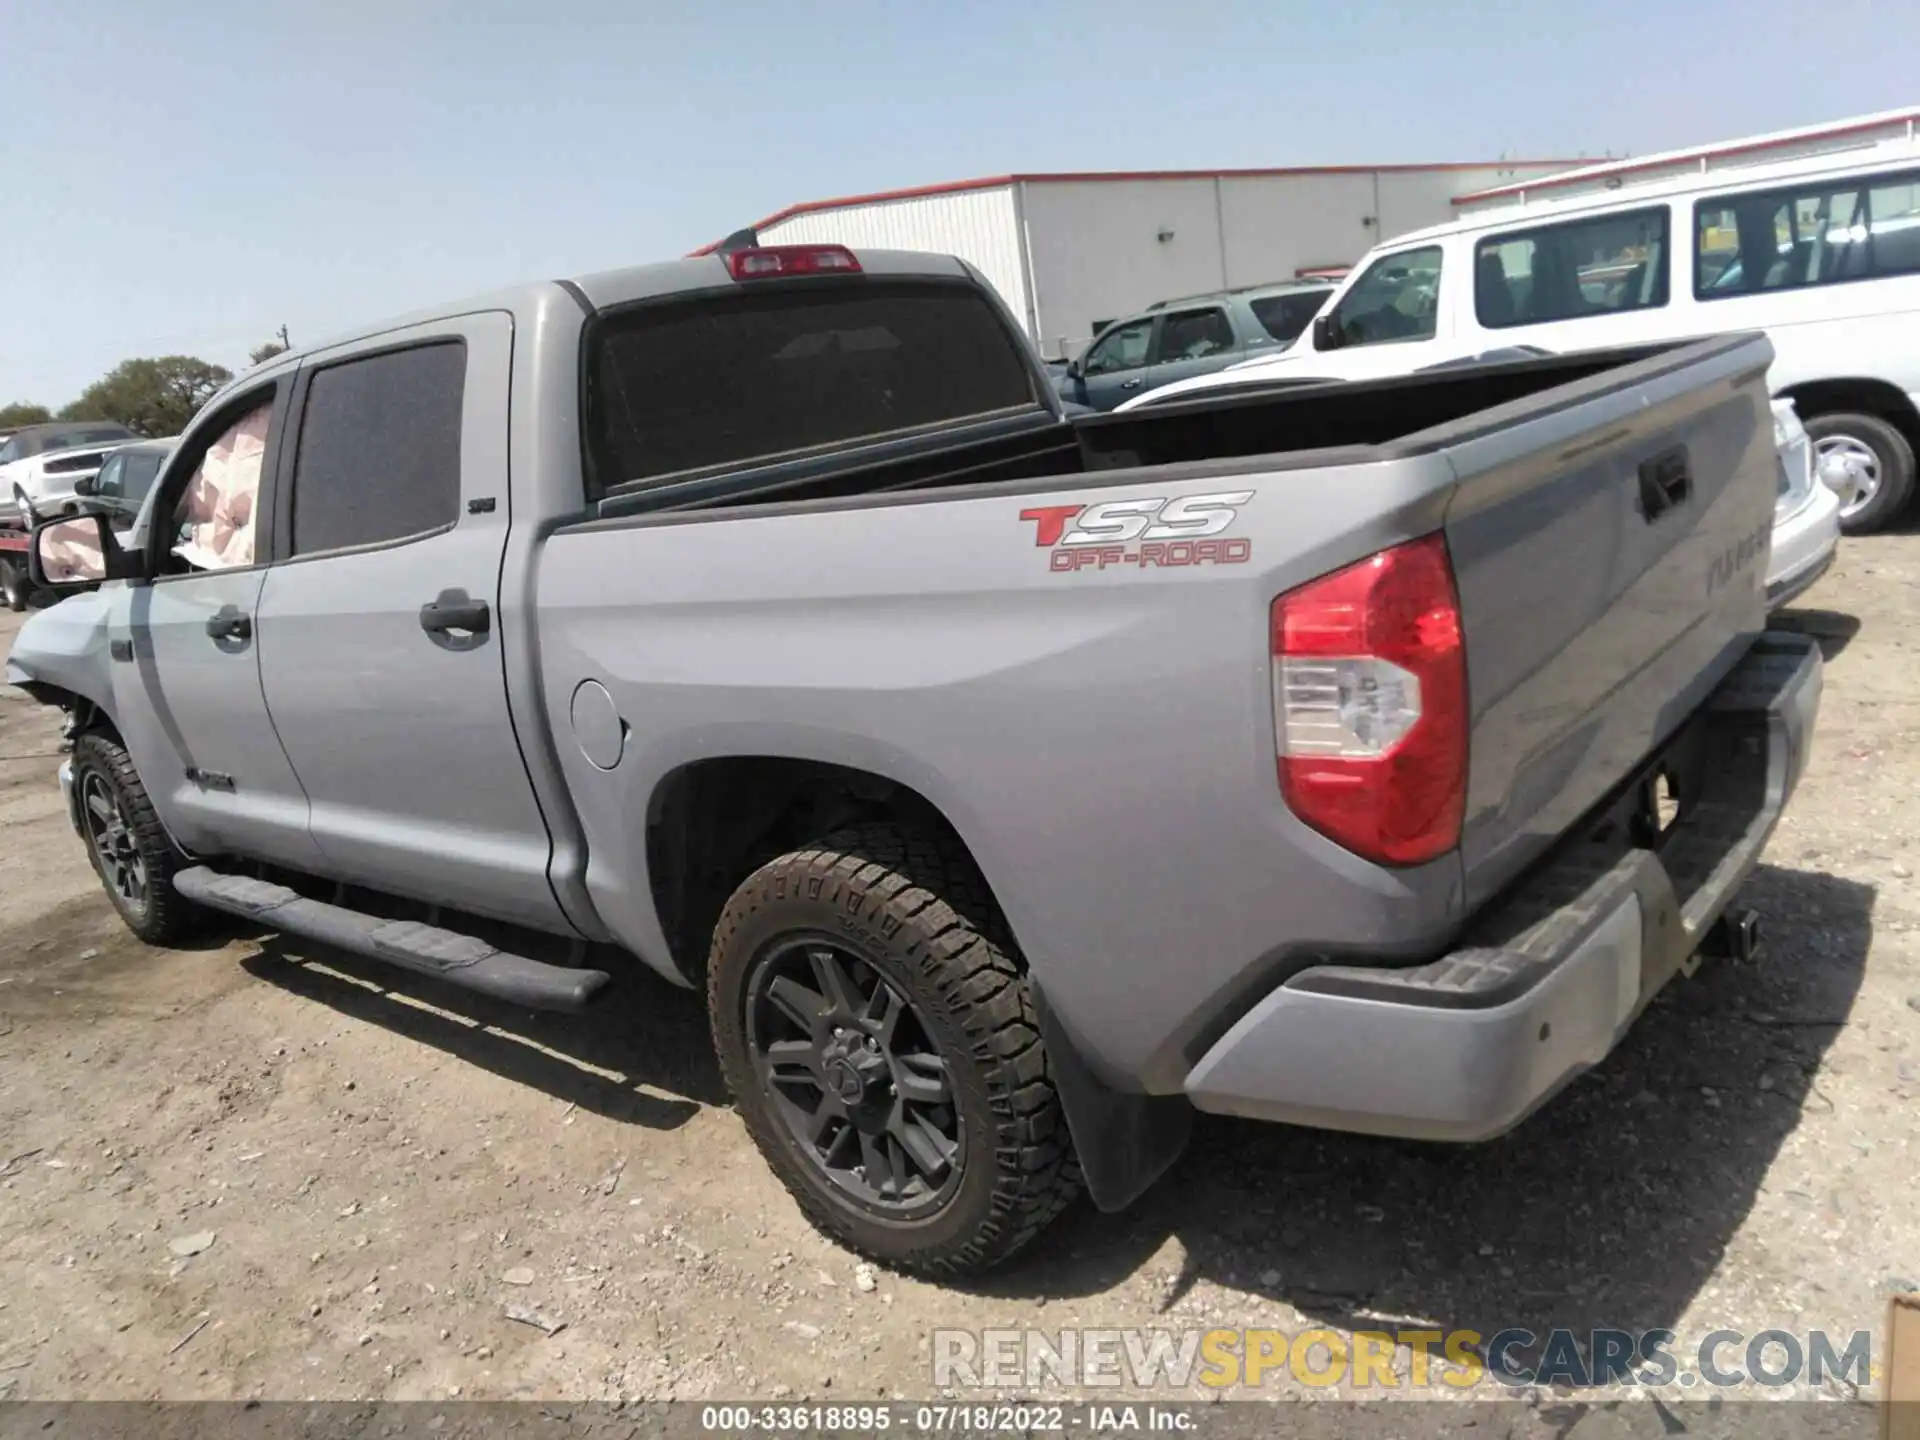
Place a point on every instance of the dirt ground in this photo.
(371, 1171)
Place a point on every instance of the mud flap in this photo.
(1124, 1141)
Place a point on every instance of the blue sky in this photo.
(187, 177)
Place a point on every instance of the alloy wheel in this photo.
(854, 1075)
(113, 843)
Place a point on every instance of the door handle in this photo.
(1666, 480)
(1130, 384)
(453, 610)
(229, 622)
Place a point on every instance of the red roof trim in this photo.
(1681, 157)
(1068, 177)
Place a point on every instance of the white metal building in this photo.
(1070, 251)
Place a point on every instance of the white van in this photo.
(1822, 252)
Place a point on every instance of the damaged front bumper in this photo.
(70, 795)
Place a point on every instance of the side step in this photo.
(426, 949)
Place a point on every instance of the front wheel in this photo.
(128, 846)
(882, 1046)
(1869, 462)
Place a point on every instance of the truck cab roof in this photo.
(599, 290)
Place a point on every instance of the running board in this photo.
(425, 949)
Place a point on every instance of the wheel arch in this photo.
(711, 822)
(90, 716)
(1860, 393)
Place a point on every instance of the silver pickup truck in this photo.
(1013, 783)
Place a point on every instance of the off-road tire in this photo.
(1893, 451)
(166, 916)
(914, 909)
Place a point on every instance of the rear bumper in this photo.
(1803, 548)
(1547, 981)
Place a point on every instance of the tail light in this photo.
(1370, 704)
(771, 260)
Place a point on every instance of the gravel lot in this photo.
(370, 1171)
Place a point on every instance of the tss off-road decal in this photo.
(1155, 533)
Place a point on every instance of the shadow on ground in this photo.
(641, 1055)
(1833, 630)
(1611, 1206)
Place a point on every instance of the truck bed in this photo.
(1336, 422)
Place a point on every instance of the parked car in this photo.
(124, 478)
(1821, 252)
(39, 464)
(1196, 335)
(1012, 785)
(1806, 518)
(1806, 514)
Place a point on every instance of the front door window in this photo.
(216, 514)
(1121, 349)
(1397, 299)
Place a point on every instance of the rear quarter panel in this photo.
(1101, 738)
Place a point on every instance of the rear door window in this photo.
(1598, 266)
(1823, 233)
(379, 455)
(747, 377)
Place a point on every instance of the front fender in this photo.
(63, 651)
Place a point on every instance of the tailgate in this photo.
(1610, 543)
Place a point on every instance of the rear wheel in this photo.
(127, 844)
(1872, 461)
(882, 1047)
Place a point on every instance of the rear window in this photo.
(94, 435)
(42, 441)
(1285, 316)
(748, 377)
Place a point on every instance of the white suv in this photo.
(1821, 252)
(40, 464)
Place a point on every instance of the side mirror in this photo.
(87, 485)
(1074, 372)
(81, 551)
(1326, 334)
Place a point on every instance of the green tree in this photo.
(259, 355)
(150, 397)
(13, 416)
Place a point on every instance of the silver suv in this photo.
(1194, 335)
